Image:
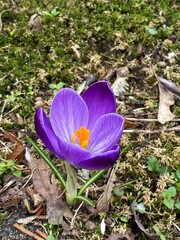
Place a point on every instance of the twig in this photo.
(137, 131)
(149, 120)
(6, 186)
(24, 230)
(178, 228)
(41, 233)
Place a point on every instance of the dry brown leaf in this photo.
(12, 195)
(166, 99)
(169, 85)
(104, 200)
(11, 136)
(46, 185)
(17, 153)
(129, 124)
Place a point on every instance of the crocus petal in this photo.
(100, 161)
(45, 132)
(106, 133)
(68, 113)
(100, 100)
(72, 153)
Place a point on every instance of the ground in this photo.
(47, 45)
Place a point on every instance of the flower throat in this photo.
(81, 136)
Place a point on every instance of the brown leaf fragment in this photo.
(11, 136)
(47, 186)
(169, 85)
(104, 200)
(17, 153)
(166, 99)
(11, 195)
(129, 124)
(139, 224)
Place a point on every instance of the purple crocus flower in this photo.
(82, 130)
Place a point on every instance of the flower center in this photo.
(81, 136)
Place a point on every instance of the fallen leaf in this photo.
(47, 186)
(12, 195)
(17, 153)
(11, 136)
(139, 224)
(104, 200)
(169, 85)
(166, 99)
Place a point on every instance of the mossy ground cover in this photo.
(45, 45)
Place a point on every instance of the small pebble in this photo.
(39, 102)
(162, 64)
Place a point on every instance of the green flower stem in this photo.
(71, 184)
(94, 178)
(86, 200)
(48, 161)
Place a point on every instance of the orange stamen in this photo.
(83, 135)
